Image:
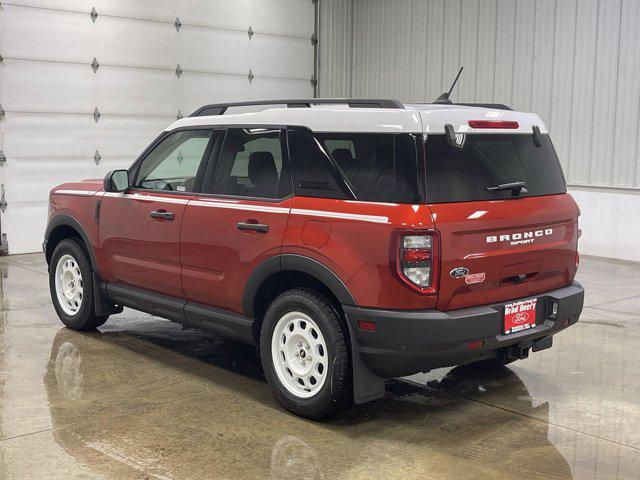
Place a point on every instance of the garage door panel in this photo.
(236, 15)
(49, 90)
(262, 15)
(213, 51)
(46, 34)
(136, 91)
(25, 223)
(35, 177)
(278, 88)
(281, 57)
(55, 135)
(46, 86)
(128, 136)
(299, 18)
(120, 41)
(196, 90)
(73, 5)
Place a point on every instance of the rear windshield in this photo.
(480, 161)
(378, 167)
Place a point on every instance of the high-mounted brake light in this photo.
(417, 261)
(493, 124)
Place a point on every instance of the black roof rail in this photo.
(221, 108)
(495, 106)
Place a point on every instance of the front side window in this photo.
(250, 164)
(174, 163)
(478, 163)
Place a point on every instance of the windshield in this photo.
(481, 167)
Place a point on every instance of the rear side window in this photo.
(480, 161)
(314, 175)
(378, 167)
(374, 167)
(250, 165)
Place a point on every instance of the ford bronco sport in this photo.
(350, 240)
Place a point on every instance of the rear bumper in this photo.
(408, 342)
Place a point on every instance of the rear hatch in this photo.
(508, 229)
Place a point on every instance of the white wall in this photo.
(610, 222)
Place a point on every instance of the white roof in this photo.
(435, 117)
(415, 118)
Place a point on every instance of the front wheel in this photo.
(71, 285)
(303, 348)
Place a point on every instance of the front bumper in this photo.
(408, 342)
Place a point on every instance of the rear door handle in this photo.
(258, 227)
(163, 214)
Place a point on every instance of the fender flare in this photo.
(298, 263)
(68, 221)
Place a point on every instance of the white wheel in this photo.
(68, 281)
(299, 354)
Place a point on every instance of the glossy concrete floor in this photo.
(145, 399)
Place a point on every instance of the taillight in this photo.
(493, 124)
(417, 261)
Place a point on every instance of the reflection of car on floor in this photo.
(353, 243)
(433, 429)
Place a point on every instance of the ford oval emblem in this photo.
(459, 272)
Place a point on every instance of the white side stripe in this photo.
(151, 198)
(239, 206)
(83, 193)
(257, 208)
(343, 216)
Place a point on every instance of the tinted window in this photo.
(313, 173)
(479, 161)
(379, 167)
(250, 164)
(173, 164)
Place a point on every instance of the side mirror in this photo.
(116, 181)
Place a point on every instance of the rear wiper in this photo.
(516, 188)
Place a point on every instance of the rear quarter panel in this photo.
(354, 240)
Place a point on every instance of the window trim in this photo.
(213, 164)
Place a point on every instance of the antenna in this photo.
(444, 98)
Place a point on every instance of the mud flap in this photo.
(367, 386)
(101, 302)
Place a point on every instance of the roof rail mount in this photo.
(221, 108)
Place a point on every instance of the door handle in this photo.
(162, 214)
(248, 226)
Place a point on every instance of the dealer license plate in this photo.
(519, 316)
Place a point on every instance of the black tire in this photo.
(85, 318)
(336, 392)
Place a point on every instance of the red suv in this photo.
(350, 240)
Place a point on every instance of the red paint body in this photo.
(203, 257)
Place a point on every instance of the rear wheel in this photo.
(303, 348)
(71, 286)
